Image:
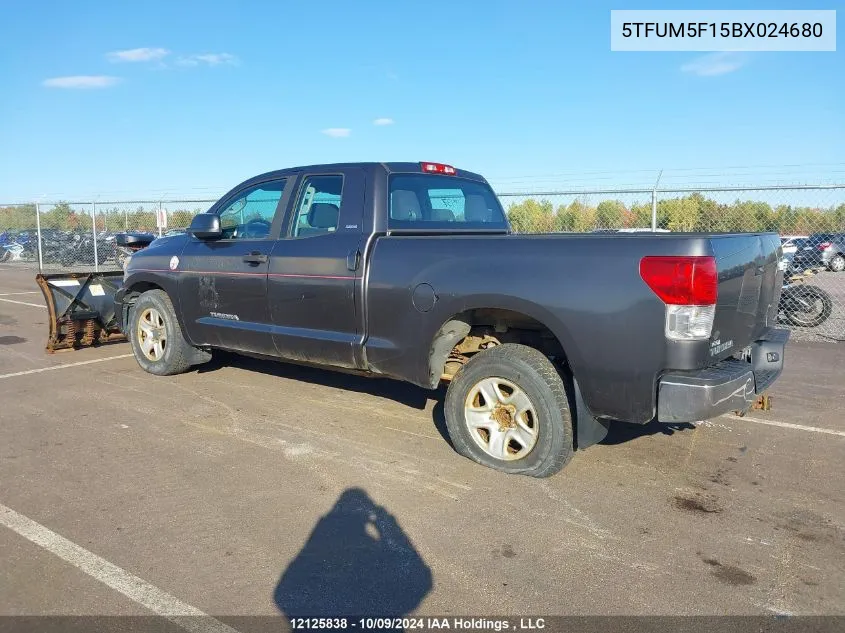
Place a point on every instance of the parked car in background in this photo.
(796, 244)
(790, 243)
(825, 250)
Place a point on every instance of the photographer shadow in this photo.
(357, 562)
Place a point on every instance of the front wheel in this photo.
(507, 409)
(837, 263)
(156, 338)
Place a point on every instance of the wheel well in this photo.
(469, 332)
(136, 290)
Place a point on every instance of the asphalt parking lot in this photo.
(254, 488)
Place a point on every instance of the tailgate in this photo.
(749, 290)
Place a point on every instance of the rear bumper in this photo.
(730, 385)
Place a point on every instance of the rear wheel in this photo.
(837, 264)
(507, 409)
(157, 340)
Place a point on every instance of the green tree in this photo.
(531, 216)
(679, 214)
(142, 219)
(17, 217)
(564, 219)
(641, 215)
(61, 216)
(180, 219)
(610, 213)
(839, 217)
(583, 216)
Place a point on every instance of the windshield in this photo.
(433, 202)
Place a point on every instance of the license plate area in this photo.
(744, 354)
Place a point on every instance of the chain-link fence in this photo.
(55, 236)
(809, 219)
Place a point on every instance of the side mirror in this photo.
(206, 226)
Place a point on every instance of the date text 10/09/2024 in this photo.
(420, 624)
(722, 29)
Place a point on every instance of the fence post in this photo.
(94, 231)
(654, 202)
(654, 209)
(38, 232)
(158, 218)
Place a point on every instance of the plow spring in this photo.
(81, 308)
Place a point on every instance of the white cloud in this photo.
(138, 55)
(210, 59)
(384, 121)
(714, 64)
(81, 81)
(337, 132)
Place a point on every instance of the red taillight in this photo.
(689, 281)
(438, 168)
(824, 246)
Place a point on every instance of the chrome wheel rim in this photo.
(501, 419)
(152, 334)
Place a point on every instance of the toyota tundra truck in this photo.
(410, 271)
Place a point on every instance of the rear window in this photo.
(427, 201)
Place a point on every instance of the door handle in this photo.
(255, 258)
(352, 259)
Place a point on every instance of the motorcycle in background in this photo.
(802, 304)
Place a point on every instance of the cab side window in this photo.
(250, 214)
(318, 206)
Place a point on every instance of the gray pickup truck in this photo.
(410, 271)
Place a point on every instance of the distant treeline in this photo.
(63, 217)
(688, 213)
(694, 212)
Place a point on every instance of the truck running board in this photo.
(80, 308)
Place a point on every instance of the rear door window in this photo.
(318, 206)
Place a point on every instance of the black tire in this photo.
(178, 355)
(837, 263)
(793, 306)
(538, 379)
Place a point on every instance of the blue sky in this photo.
(189, 98)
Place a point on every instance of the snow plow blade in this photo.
(81, 308)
